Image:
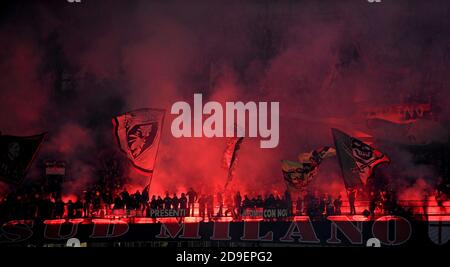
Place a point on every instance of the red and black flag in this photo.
(16, 155)
(356, 158)
(138, 134)
(230, 156)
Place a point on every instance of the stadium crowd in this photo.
(41, 205)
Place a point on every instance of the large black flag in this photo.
(356, 158)
(16, 155)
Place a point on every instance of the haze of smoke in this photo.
(150, 54)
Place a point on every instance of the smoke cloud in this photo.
(69, 69)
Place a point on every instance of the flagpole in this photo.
(157, 149)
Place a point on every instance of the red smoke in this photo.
(123, 56)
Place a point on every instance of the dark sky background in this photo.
(69, 68)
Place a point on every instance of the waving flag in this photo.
(138, 134)
(318, 155)
(298, 174)
(230, 156)
(16, 155)
(356, 158)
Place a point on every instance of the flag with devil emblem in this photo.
(356, 158)
(138, 134)
(16, 155)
